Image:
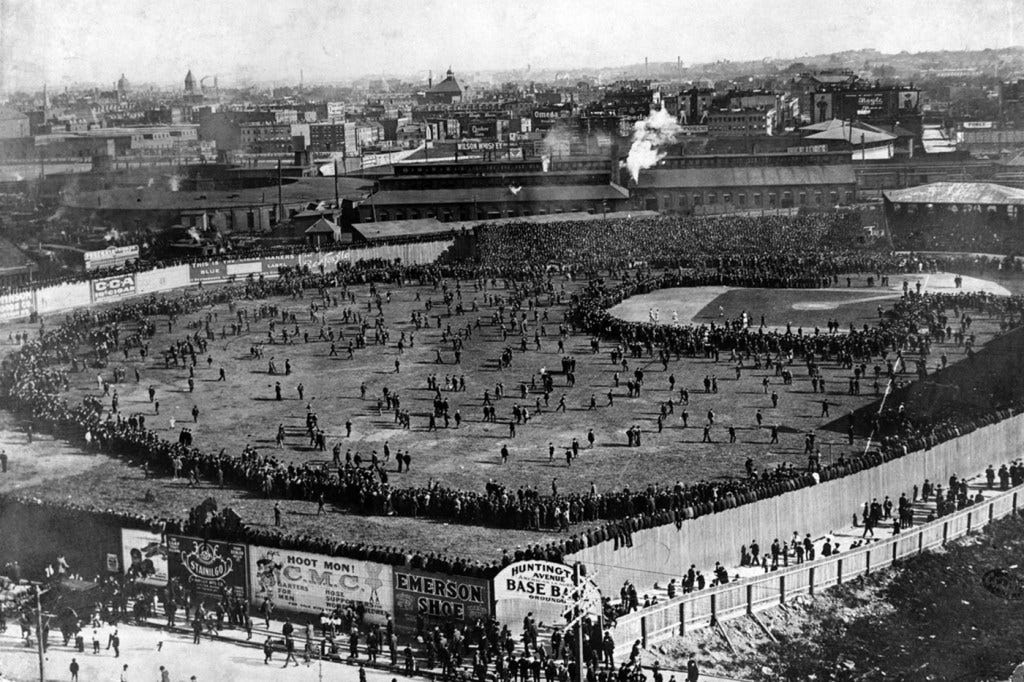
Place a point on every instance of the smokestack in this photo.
(646, 70)
(430, 80)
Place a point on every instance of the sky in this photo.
(61, 42)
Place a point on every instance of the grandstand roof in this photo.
(501, 195)
(12, 259)
(984, 193)
(396, 229)
(303, 190)
(391, 229)
(750, 176)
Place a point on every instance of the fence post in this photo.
(682, 617)
(945, 531)
(643, 631)
(867, 562)
(750, 599)
(810, 580)
(782, 589)
(894, 550)
(714, 609)
(991, 511)
(920, 542)
(839, 572)
(1015, 503)
(969, 521)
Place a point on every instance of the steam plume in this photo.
(650, 136)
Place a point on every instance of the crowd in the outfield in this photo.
(765, 252)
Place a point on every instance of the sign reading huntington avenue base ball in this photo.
(539, 581)
(207, 566)
(300, 581)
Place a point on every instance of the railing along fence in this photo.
(703, 608)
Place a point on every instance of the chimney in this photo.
(430, 80)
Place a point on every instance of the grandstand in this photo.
(973, 217)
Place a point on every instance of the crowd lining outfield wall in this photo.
(94, 544)
(660, 553)
(61, 298)
(680, 615)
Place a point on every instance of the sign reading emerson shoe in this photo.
(307, 583)
(208, 567)
(438, 598)
(112, 288)
(538, 581)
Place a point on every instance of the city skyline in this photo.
(330, 42)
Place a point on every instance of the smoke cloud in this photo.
(650, 137)
(174, 182)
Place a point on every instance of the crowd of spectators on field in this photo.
(762, 252)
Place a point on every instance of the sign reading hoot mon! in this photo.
(299, 581)
(539, 581)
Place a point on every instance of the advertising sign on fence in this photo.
(163, 279)
(144, 555)
(113, 257)
(207, 566)
(112, 288)
(328, 260)
(304, 582)
(439, 599)
(207, 272)
(540, 581)
(17, 306)
(272, 264)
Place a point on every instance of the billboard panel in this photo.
(112, 288)
(113, 257)
(208, 567)
(245, 267)
(304, 582)
(439, 599)
(163, 279)
(327, 259)
(17, 306)
(63, 297)
(207, 272)
(144, 556)
(271, 264)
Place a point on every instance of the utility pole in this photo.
(337, 202)
(578, 615)
(39, 630)
(280, 200)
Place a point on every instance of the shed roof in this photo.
(747, 176)
(984, 193)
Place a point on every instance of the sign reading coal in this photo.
(208, 567)
(112, 288)
(437, 599)
(304, 582)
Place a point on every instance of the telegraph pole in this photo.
(578, 584)
(39, 630)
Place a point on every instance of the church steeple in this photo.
(190, 82)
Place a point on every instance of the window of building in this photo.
(771, 199)
(741, 199)
(696, 200)
(726, 198)
(834, 197)
(757, 199)
(712, 198)
(803, 198)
